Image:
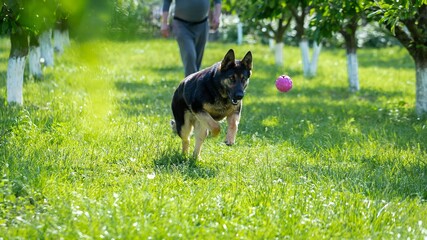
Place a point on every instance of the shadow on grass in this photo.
(333, 115)
(9, 112)
(164, 70)
(313, 127)
(343, 93)
(380, 58)
(174, 162)
(141, 98)
(382, 180)
(329, 120)
(27, 78)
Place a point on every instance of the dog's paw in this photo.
(228, 143)
(173, 126)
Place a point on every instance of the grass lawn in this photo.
(91, 154)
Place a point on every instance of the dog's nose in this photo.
(239, 96)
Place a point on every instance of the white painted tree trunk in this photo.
(278, 54)
(239, 33)
(305, 57)
(66, 37)
(315, 59)
(421, 91)
(352, 69)
(309, 66)
(58, 41)
(271, 44)
(15, 79)
(61, 40)
(46, 48)
(35, 67)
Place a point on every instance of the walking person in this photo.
(191, 28)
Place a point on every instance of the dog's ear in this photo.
(228, 61)
(247, 60)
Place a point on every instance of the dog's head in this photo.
(234, 75)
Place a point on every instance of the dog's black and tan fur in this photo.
(208, 96)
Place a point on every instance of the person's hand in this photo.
(164, 29)
(216, 16)
(215, 23)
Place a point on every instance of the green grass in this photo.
(91, 155)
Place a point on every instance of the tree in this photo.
(21, 20)
(35, 67)
(407, 21)
(271, 16)
(61, 34)
(300, 10)
(13, 19)
(341, 16)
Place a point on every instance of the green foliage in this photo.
(132, 19)
(259, 10)
(407, 21)
(29, 15)
(229, 6)
(334, 16)
(91, 154)
(268, 18)
(392, 13)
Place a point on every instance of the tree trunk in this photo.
(239, 33)
(309, 66)
(352, 69)
(35, 67)
(16, 66)
(283, 24)
(303, 44)
(271, 44)
(46, 49)
(58, 41)
(349, 34)
(419, 54)
(421, 87)
(411, 39)
(61, 38)
(314, 59)
(66, 37)
(278, 54)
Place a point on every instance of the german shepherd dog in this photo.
(208, 96)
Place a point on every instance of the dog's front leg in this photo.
(200, 134)
(185, 132)
(233, 123)
(210, 123)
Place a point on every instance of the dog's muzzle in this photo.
(237, 97)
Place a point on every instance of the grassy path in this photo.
(91, 154)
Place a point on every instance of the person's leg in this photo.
(202, 31)
(185, 39)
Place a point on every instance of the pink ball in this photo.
(284, 83)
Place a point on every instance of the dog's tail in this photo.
(173, 126)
